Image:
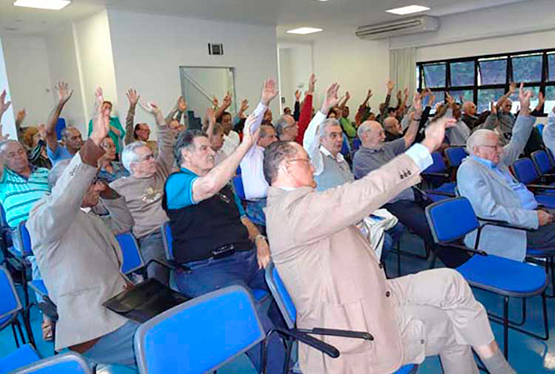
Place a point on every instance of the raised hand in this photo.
(150, 107)
(541, 99)
(512, 87)
(4, 105)
(215, 102)
(417, 103)
(399, 95)
(449, 99)
(524, 98)
(181, 104)
(435, 133)
(133, 97)
(244, 106)
(493, 107)
(42, 131)
(298, 95)
(226, 102)
(406, 93)
(64, 93)
(269, 91)
(20, 116)
(369, 95)
(249, 138)
(390, 86)
(347, 96)
(101, 122)
(311, 83)
(210, 116)
(331, 99)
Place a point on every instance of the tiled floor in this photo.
(527, 355)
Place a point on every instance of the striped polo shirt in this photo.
(18, 194)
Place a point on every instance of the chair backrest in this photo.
(70, 363)
(451, 219)
(132, 258)
(24, 239)
(239, 188)
(167, 240)
(19, 358)
(540, 128)
(200, 335)
(541, 160)
(356, 144)
(455, 155)
(438, 166)
(9, 300)
(551, 158)
(525, 171)
(281, 296)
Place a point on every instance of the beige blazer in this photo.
(332, 273)
(78, 256)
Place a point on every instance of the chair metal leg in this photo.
(289, 343)
(506, 327)
(263, 363)
(15, 335)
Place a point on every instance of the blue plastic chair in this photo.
(21, 357)
(239, 187)
(526, 173)
(455, 155)
(259, 295)
(451, 220)
(132, 257)
(543, 163)
(10, 306)
(437, 176)
(289, 313)
(200, 335)
(67, 363)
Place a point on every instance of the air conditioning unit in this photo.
(398, 28)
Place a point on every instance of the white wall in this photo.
(28, 75)
(96, 62)
(357, 65)
(286, 83)
(62, 60)
(510, 28)
(8, 124)
(148, 51)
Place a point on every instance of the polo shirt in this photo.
(18, 194)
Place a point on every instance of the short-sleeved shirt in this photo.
(114, 121)
(367, 160)
(179, 191)
(119, 172)
(18, 194)
(61, 153)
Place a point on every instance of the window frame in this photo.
(475, 88)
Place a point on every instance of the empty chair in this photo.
(200, 335)
(525, 172)
(21, 357)
(70, 363)
(10, 306)
(455, 155)
(451, 220)
(543, 164)
(437, 176)
(132, 258)
(289, 313)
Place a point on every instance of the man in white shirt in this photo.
(231, 138)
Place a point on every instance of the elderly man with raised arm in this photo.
(484, 179)
(79, 256)
(211, 234)
(144, 188)
(337, 282)
(548, 133)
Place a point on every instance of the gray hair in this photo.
(363, 128)
(185, 140)
(274, 155)
(477, 139)
(264, 130)
(57, 172)
(324, 125)
(129, 154)
(4, 144)
(281, 124)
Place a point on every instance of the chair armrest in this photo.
(505, 224)
(326, 348)
(441, 193)
(441, 175)
(343, 333)
(169, 264)
(540, 187)
(463, 248)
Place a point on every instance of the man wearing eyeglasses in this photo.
(287, 128)
(484, 179)
(144, 188)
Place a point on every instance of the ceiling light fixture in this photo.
(304, 30)
(408, 10)
(43, 4)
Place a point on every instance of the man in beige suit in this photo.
(79, 256)
(336, 281)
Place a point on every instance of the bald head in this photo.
(469, 108)
(392, 125)
(371, 134)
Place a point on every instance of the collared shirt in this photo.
(119, 172)
(179, 191)
(526, 197)
(61, 153)
(311, 143)
(231, 142)
(367, 160)
(18, 194)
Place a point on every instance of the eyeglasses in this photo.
(498, 146)
(147, 157)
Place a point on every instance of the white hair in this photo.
(324, 125)
(476, 139)
(129, 155)
(364, 128)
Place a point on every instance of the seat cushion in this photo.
(23, 356)
(504, 276)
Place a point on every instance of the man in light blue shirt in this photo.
(484, 178)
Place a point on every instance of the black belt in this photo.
(224, 251)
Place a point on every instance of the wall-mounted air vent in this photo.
(215, 49)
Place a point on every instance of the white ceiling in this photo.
(334, 16)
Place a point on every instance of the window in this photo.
(434, 75)
(492, 71)
(462, 73)
(484, 79)
(527, 68)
